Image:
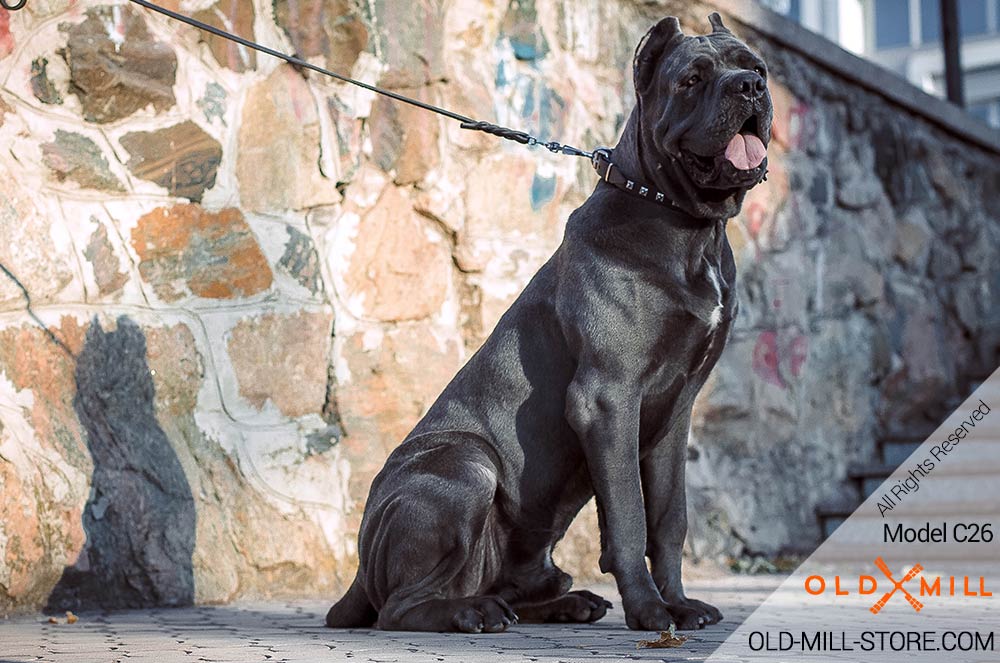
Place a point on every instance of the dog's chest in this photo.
(713, 274)
(691, 344)
(722, 305)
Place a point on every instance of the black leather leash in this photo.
(466, 122)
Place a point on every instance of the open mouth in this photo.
(741, 163)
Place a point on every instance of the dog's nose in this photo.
(749, 84)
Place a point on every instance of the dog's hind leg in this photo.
(429, 540)
(354, 610)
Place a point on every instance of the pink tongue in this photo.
(745, 151)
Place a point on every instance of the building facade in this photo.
(905, 37)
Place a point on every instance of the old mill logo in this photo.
(869, 585)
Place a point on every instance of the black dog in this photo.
(585, 387)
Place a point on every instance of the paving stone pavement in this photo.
(293, 632)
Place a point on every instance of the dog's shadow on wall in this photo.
(140, 518)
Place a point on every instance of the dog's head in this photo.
(705, 114)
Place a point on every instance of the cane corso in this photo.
(585, 387)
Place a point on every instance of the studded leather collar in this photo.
(608, 171)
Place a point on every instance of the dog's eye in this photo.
(760, 71)
(693, 80)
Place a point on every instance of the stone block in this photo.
(235, 17)
(851, 280)
(105, 262)
(117, 67)
(43, 474)
(412, 49)
(184, 250)
(404, 138)
(5, 108)
(278, 154)
(33, 246)
(398, 266)
(282, 359)
(301, 260)
(177, 368)
(72, 156)
(923, 375)
(41, 86)
(6, 36)
(183, 158)
(913, 241)
(498, 201)
(945, 261)
(332, 29)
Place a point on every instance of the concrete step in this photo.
(830, 518)
(944, 488)
(980, 510)
(894, 451)
(940, 494)
(969, 555)
(979, 457)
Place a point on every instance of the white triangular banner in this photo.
(911, 574)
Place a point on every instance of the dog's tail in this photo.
(354, 610)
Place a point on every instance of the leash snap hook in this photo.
(13, 7)
(600, 154)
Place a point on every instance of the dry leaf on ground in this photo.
(668, 640)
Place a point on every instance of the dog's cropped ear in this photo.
(716, 22)
(651, 48)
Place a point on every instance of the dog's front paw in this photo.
(693, 614)
(483, 614)
(649, 616)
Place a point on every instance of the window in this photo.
(980, 111)
(972, 18)
(795, 10)
(791, 9)
(930, 20)
(892, 23)
(987, 111)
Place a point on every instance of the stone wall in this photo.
(255, 279)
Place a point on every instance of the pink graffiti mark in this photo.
(765, 359)
(756, 216)
(6, 37)
(771, 353)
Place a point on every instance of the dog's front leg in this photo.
(604, 413)
(663, 489)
